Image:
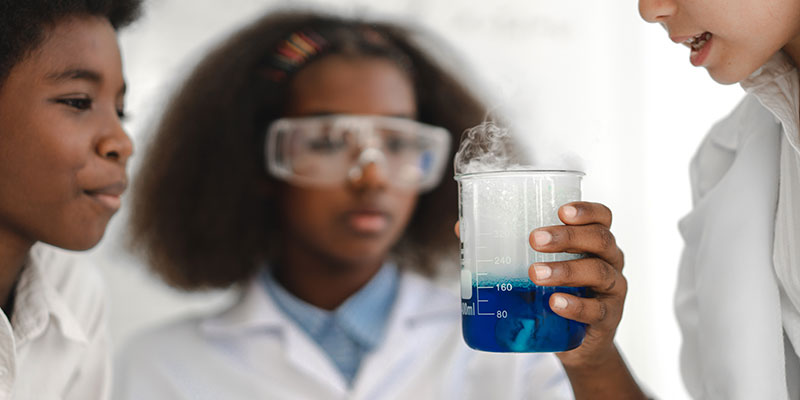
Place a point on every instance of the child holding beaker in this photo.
(309, 160)
(739, 284)
(62, 170)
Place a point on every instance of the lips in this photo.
(700, 48)
(367, 221)
(109, 195)
(699, 45)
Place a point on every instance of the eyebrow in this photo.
(80, 74)
(76, 73)
(328, 113)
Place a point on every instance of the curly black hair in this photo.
(24, 23)
(201, 212)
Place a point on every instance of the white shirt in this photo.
(55, 346)
(253, 351)
(739, 270)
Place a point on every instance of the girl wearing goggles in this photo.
(312, 178)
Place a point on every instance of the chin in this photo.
(735, 69)
(724, 80)
(726, 77)
(359, 256)
(78, 242)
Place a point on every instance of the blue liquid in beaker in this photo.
(519, 320)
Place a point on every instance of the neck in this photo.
(13, 252)
(322, 281)
(793, 50)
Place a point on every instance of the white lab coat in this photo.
(253, 351)
(730, 303)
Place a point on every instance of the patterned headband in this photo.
(294, 52)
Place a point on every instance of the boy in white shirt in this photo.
(62, 171)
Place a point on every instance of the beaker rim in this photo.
(527, 171)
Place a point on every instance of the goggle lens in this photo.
(320, 151)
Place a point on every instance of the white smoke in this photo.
(487, 147)
(491, 147)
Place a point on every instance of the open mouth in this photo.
(697, 42)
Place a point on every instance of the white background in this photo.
(588, 84)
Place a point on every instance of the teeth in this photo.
(697, 42)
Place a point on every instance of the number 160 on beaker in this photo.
(502, 309)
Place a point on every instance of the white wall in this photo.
(588, 84)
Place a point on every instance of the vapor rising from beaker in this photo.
(491, 147)
(487, 147)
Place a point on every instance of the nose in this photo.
(368, 176)
(657, 10)
(115, 145)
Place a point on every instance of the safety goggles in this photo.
(330, 150)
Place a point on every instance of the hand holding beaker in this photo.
(587, 230)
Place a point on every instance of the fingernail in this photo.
(542, 271)
(560, 302)
(569, 211)
(542, 237)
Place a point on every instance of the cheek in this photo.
(306, 214)
(405, 204)
(48, 148)
(734, 59)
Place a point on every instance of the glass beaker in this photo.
(502, 309)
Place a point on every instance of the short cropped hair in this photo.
(205, 211)
(24, 23)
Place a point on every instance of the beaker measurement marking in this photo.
(496, 234)
(485, 313)
(485, 261)
(482, 273)
(486, 287)
(483, 301)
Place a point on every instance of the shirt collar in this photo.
(37, 300)
(776, 87)
(363, 316)
(310, 318)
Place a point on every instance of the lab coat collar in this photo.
(256, 310)
(252, 311)
(416, 307)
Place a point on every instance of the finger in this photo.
(456, 228)
(592, 311)
(589, 272)
(595, 239)
(585, 213)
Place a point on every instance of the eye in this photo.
(78, 103)
(397, 144)
(325, 145)
(121, 114)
